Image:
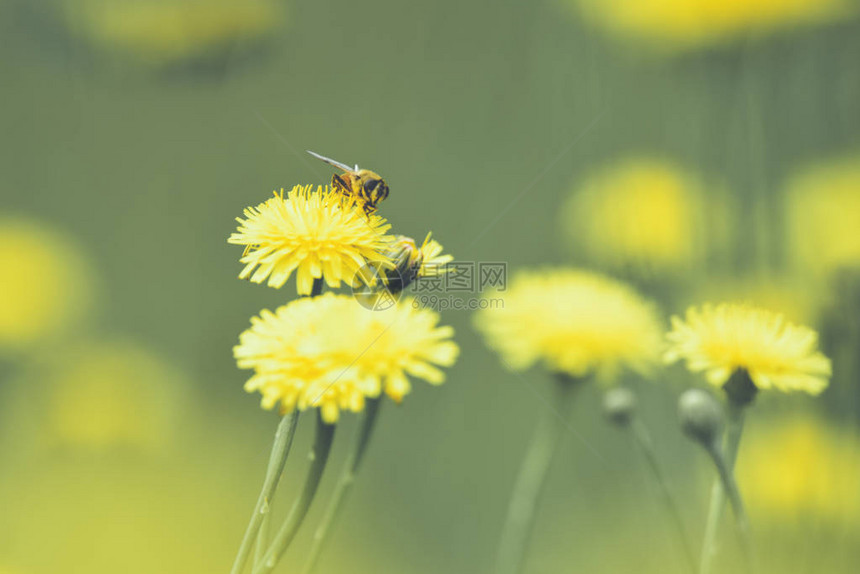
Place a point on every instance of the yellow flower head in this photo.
(317, 234)
(332, 353)
(730, 337)
(46, 283)
(823, 211)
(685, 24)
(642, 213)
(801, 469)
(164, 32)
(574, 322)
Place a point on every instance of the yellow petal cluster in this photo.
(719, 340)
(823, 214)
(332, 353)
(574, 322)
(801, 469)
(642, 213)
(686, 24)
(315, 232)
(433, 262)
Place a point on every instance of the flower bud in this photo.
(701, 416)
(407, 259)
(619, 405)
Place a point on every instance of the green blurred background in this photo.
(482, 117)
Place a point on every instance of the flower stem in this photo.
(277, 459)
(718, 491)
(646, 445)
(730, 486)
(262, 540)
(347, 478)
(529, 485)
(319, 457)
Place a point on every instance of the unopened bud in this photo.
(619, 405)
(701, 416)
(406, 260)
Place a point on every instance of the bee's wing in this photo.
(330, 161)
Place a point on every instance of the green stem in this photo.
(277, 459)
(529, 485)
(319, 457)
(718, 493)
(730, 486)
(646, 445)
(262, 540)
(347, 478)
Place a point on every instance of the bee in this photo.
(366, 186)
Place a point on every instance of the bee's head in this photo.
(373, 186)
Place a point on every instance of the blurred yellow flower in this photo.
(722, 339)
(822, 215)
(331, 352)
(116, 393)
(163, 32)
(802, 468)
(317, 234)
(682, 24)
(641, 213)
(46, 283)
(573, 322)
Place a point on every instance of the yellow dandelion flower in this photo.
(720, 340)
(686, 24)
(165, 32)
(574, 322)
(822, 214)
(332, 353)
(317, 234)
(47, 283)
(801, 468)
(641, 213)
(117, 393)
